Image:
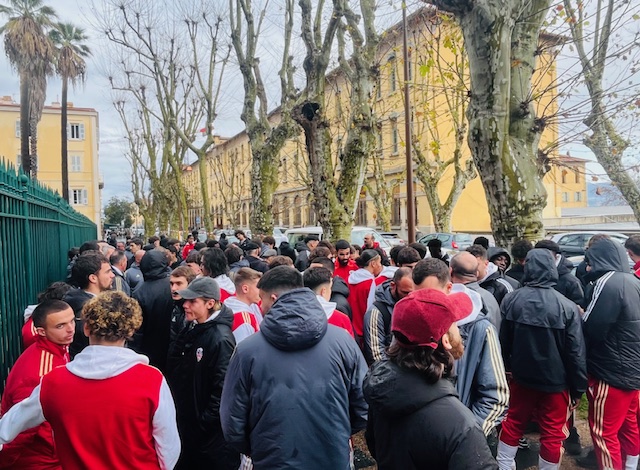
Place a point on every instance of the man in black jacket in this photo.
(519, 252)
(339, 288)
(154, 297)
(196, 370)
(415, 418)
(251, 253)
(489, 275)
(612, 332)
(543, 348)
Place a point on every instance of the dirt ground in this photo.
(526, 460)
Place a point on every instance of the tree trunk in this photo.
(310, 117)
(64, 142)
(204, 190)
(503, 131)
(24, 124)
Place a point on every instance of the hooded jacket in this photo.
(494, 281)
(302, 260)
(196, 369)
(417, 425)
(126, 404)
(377, 328)
(227, 287)
(154, 296)
(362, 291)
(494, 251)
(489, 302)
(286, 250)
(481, 381)
(33, 448)
(235, 267)
(133, 276)
(541, 337)
(293, 392)
(340, 295)
(569, 285)
(76, 298)
(335, 317)
(612, 318)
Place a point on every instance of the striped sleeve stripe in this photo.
(374, 340)
(46, 363)
(502, 387)
(596, 293)
(506, 284)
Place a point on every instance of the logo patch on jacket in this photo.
(199, 354)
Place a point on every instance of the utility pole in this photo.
(411, 207)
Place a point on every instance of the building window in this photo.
(76, 131)
(297, 211)
(565, 197)
(361, 212)
(395, 140)
(286, 219)
(338, 105)
(76, 163)
(396, 210)
(564, 176)
(578, 196)
(18, 129)
(79, 197)
(577, 176)
(378, 86)
(393, 79)
(18, 161)
(380, 146)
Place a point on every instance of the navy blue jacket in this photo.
(292, 396)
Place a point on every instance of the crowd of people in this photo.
(245, 355)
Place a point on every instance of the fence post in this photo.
(24, 183)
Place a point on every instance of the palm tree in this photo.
(30, 51)
(71, 67)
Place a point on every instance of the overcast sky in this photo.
(96, 94)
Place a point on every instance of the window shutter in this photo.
(18, 128)
(81, 127)
(85, 199)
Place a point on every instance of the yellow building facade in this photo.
(434, 119)
(83, 143)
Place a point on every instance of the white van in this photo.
(295, 235)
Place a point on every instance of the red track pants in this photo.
(551, 411)
(613, 420)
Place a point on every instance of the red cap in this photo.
(425, 315)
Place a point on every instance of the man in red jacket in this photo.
(54, 323)
(108, 408)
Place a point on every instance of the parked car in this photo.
(295, 235)
(393, 238)
(451, 242)
(575, 243)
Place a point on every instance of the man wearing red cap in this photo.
(415, 417)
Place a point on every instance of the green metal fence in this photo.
(37, 227)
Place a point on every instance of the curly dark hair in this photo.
(434, 364)
(112, 316)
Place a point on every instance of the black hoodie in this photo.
(541, 337)
(417, 425)
(612, 317)
(154, 296)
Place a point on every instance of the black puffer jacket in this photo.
(154, 296)
(293, 393)
(541, 337)
(302, 260)
(612, 318)
(196, 369)
(287, 250)
(417, 425)
(496, 283)
(495, 251)
(340, 295)
(569, 285)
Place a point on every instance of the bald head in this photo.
(138, 256)
(464, 268)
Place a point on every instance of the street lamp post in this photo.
(411, 210)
